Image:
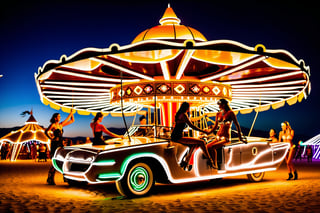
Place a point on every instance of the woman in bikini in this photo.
(98, 129)
(181, 121)
(286, 135)
(54, 132)
(224, 119)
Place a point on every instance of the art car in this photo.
(136, 163)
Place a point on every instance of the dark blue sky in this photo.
(33, 32)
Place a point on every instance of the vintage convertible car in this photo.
(135, 163)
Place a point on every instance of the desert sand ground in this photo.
(23, 188)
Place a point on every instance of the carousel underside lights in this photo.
(168, 64)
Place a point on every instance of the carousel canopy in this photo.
(173, 63)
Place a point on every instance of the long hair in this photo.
(287, 124)
(53, 118)
(98, 115)
(183, 109)
(225, 103)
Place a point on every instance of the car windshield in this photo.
(163, 132)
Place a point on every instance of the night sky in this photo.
(33, 32)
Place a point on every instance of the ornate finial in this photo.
(169, 17)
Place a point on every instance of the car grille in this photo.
(77, 167)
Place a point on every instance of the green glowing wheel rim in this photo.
(255, 177)
(137, 181)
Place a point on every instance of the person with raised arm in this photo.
(98, 129)
(54, 132)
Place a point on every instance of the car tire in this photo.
(255, 177)
(137, 181)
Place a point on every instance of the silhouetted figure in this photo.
(181, 122)
(309, 153)
(55, 132)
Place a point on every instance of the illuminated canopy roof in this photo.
(31, 131)
(170, 29)
(159, 61)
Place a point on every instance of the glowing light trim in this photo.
(269, 85)
(54, 163)
(315, 142)
(113, 176)
(251, 164)
(74, 88)
(94, 77)
(165, 70)
(237, 68)
(115, 66)
(104, 163)
(81, 84)
(143, 52)
(259, 79)
(184, 63)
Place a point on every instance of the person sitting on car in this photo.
(98, 129)
(142, 130)
(224, 119)
(181, 121)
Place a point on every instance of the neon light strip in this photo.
(75, 88)
(80, 84)
(100, 97)
(165, 70)
(75, 94)
(93, 77)
(82, 68)
(265, 78)
(104, 163)
(147, 61)
(86, 105)
(123, 69)
(237, 68)
(38, 87)
(259, 95)
(257, 98)
(75, 178)
(269, 85)
(184, 62)
(267, 89)
(251, 165)
(77, 101)
(316, 156)
(54, 163)
(109, 175)
(279, 67)
(312, 141)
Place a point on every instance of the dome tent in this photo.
(31, 131)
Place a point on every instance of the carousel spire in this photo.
(169, 17)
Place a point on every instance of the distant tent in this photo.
(315, 143)
(30, 132)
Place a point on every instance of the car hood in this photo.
(115, 143)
